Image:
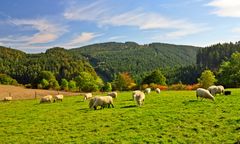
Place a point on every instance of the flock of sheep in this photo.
(210, 92)
(137, 95)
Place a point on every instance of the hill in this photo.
(111, 58)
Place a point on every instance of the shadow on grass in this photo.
(130, 106)
(189, 101)
(79, 101)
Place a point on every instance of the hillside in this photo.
(111, 58)
(25, 68)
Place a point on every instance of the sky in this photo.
(36, 25)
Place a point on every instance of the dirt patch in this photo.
(17, 92)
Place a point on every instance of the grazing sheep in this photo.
(113, 94)
(101, 101)
(58, 98)
(139, 98)
(47, 98)
(147, 90)
(134, 94)
(87, 96)
(203, 93)
(158, 90)
(213, 90)
(7, 98)
(220, 89)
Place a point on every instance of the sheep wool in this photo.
(158, 90)
(139, 98)
(58, 98)
(7, 98)
(113, 94)
(101, 101)
(203, 93)
(87, 96)
(47, 98)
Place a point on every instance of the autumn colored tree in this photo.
(123, 81)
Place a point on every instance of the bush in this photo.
(7, 80)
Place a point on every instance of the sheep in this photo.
(113, 94)
(139, 98)
(220, 89)
(147, 90)
(134, 94)
(213, 90)
(158, 90)
(7, 98)
(87, 96)
(203, 93)
(58, 98)
(47, 98)
(101, 101)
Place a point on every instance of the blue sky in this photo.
(36, 25)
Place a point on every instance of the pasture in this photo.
(168, 117)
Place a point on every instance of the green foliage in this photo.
(107, 87)
(26, 68)
(87, 82)
(123, 82)
(155, 77)
(7, 80)
(53, 84)
(64, 84)
(229, 72)
(211, 57)
(112, 58)
(171, 117)
(44, 84)
(72, 85)
(207, 79)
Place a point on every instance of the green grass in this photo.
(169, 117)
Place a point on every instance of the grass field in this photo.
(169, 117)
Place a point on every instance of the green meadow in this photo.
(168, 117)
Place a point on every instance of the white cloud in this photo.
(81, 39)
(116, 37)
(46, 31)
(226, 8)
(101, 15)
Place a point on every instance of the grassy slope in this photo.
(172, 116)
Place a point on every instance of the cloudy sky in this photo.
(35, 25)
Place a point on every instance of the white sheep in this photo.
(113, 94)
(134, 94)
(58, 98)
(87, 96)
(213, 90)
(101, 101)
(7, 98)
(220, 89)
(147, 90)
(139, 98)
(158, 90)
(47, 98)
(203, 93)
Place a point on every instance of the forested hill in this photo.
(25, 68)
(211, 57)
(111, 58)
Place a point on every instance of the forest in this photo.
(91, 67)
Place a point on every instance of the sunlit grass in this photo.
(168, 117)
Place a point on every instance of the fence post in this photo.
(35, 95)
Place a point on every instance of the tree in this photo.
(64, 84)
(207, 79)
(86, 82)
(44, 84)
(107, 87)
(47, 75)
(72, 85)
(53, 83)
(123, 81)
(229, 72)
(7, 80)
(155, 77)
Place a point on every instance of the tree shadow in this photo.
(79, 101)
(130, 106)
